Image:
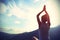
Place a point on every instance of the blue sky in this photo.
(18, 16)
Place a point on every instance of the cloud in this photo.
(17, 22)
(36, 1)
(3, 8)
(9, 14)
(15, 30)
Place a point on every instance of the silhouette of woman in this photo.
(44, 24)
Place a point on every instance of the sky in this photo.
(18, 16)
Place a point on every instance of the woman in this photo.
(44, 24)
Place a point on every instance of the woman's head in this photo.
(44, 18)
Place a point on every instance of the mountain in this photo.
(54, 35)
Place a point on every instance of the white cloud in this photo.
(9, 14)
(3, 8)
(36, 1)
(17, 11)
(16, 30)
(17, 22)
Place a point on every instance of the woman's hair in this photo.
(44, 18)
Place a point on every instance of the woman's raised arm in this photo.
(48, 18)
(38, 19)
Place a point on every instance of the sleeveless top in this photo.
(43, 29)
